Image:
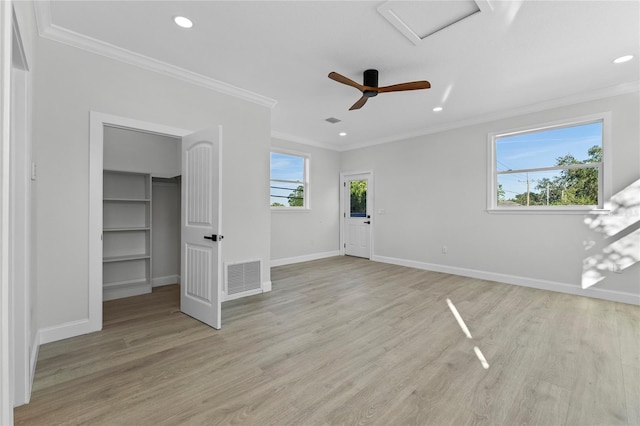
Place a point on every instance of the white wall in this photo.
(309, 234)
(433, 190)
(165, 232)
(72, 82)
(127, 150)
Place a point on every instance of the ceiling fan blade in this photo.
(359, 104)
(344, 80)
(414, 85)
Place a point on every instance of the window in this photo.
(557, 167)
(358, 198)
(289, 180)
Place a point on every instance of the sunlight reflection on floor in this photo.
(461, 323)
(467, 333)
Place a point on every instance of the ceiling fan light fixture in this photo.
(371, 89)
(183, 21)
(623, 59)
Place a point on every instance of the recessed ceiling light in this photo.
(343, 134)
(437, 109)
(183, 22)
(623, 59)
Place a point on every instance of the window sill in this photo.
(290, 209)
(542, 210)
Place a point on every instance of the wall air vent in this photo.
(243, 279)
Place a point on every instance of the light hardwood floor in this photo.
(348, 341)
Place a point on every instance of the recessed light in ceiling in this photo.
(437, 109)
(183, 22)
(623, 59)
(343, 133)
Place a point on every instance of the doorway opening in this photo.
(141, 212)
(120, 196)
(356, 225)
(200, 223)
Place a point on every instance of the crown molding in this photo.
(48, 30)
(607, 92)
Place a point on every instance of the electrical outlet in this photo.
(615, 268)
(444, 249)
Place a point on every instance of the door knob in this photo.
(214, 237)
(368, 222)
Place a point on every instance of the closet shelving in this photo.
(126, 269)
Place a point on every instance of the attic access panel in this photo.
(417, 20)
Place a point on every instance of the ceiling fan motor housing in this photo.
(370, 80)
(370, 87)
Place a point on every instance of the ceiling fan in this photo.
(370, 87)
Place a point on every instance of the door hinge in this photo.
(344, 184)
(345, 245)
(344, 215)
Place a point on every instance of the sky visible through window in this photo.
(285, 167)
(542, 149)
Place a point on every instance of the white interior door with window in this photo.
(200, 270)
(357, 227)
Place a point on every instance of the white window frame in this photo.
(307, 199)
(604, 172)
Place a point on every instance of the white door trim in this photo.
(97, 121)
(370, 193)
(6, 393)
(20, 223)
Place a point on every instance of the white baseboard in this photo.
(597, 293)
(125, 291)
(266, 286)
(65, 331)
(305, 258)
(169, 279)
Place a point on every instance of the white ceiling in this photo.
(512, 56)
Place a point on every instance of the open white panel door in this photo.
(200, 269)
